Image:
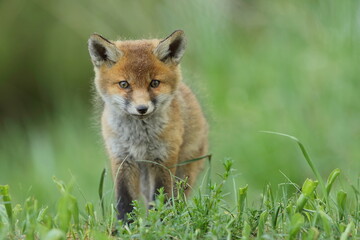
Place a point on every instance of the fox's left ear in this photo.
(171, 48)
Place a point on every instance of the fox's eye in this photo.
(154, 83)
(124, 84)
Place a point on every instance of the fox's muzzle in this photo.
(142, 109)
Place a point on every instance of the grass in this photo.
(288, 212)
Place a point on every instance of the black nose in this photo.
(142, 109)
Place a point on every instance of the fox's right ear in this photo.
(102, 51)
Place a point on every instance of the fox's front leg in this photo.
(127, 187)
(165, 170)
(165, 176)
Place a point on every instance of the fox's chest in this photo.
(137, 140)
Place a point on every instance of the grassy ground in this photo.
(315, 210)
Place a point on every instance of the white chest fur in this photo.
(136, 139)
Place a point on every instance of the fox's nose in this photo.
(142, 109)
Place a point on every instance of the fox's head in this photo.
(137, 77)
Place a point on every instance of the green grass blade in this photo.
(74, 209)
(67, 208)
(55, 234)
(101, 192)
(308, 160)
(242, 193)
(193, 160)
(246, 231)
(275, 217)
(327, 224)
(308, 189)
(262, 220)
(312, 234)
(349, 229)
(4, 192)
(297, 221)
(331, 179)
(341, 203)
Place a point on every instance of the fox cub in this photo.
(151, 120)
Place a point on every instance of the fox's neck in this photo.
(132, 138)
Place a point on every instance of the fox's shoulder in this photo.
(190, 108)
(186, 95)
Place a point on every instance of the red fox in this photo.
(151, 120)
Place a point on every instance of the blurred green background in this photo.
(284, 65)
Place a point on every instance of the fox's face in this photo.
(137, 77)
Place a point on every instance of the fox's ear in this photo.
(102, 51)
(171, 48)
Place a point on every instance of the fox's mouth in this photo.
(141, 116)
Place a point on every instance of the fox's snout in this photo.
(132, 108)
(140, 103)
(142, 109)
